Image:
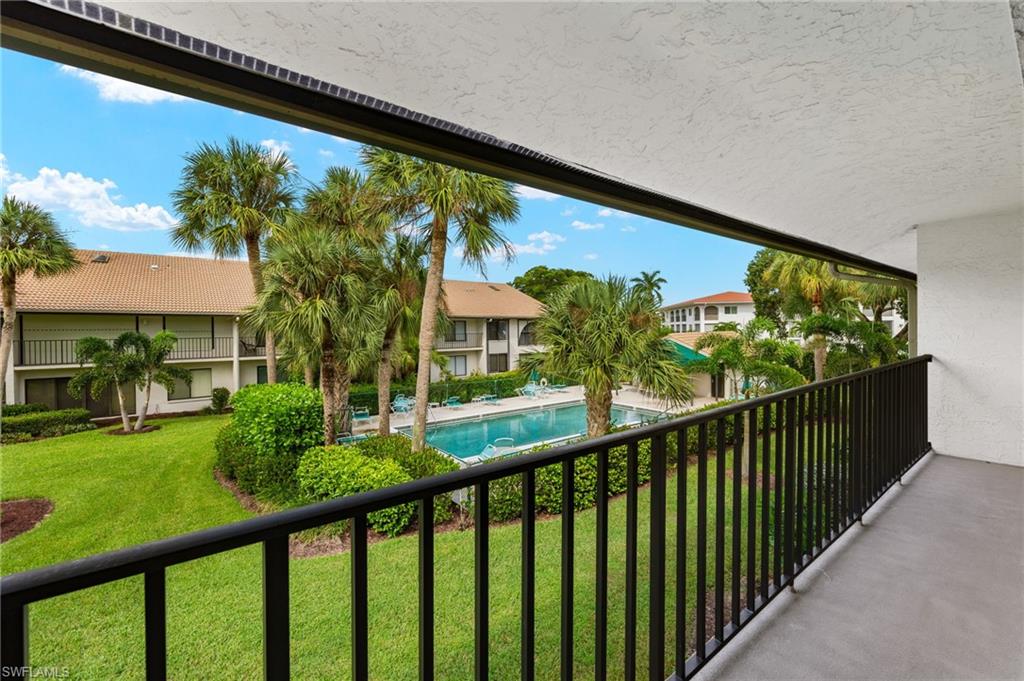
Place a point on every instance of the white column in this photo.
(9, 394)
(236, 372)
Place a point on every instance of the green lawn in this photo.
(112, 492)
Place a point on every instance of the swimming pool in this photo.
(466, 439)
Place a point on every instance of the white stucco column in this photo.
(971, 305)
(9, 395)
(236, 370)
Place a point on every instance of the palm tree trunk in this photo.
(309, 375)
(384, 387)
(252, 251)
(599, 411)
(124, 411)
(140, 419)
(428, 325)
(327, 390)
(343, 385)
(7, 333)
(819, 348)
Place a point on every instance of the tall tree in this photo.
(230, 200)
(810, 279)
(30, 241)
(754, 361)
(652, 283)
(398, 294)
(602, 333)
(313, 286)
(768, 299)
(541, 282)
(443, 204)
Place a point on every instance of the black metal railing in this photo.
(817, 457)
(455, 342)
(61, 352)
(252, 346)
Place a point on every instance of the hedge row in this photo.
(19, 409)
(45, 422)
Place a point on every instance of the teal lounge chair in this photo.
(453, 402)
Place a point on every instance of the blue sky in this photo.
(103, 155)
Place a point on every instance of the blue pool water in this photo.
(467, 439)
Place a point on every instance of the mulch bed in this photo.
(121, 431)
(21, 515)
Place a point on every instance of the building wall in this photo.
(687, 318)
(477, 358)
(971, 311)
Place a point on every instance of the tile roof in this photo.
(723, 297)
(163, 284)
(141, 284)
(486, 299)
(690, 338)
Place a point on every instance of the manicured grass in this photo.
(112, 492)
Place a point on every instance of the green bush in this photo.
(14, 438)
(19, 409)
(341, 470)
(36, 422)
(398, 448)
(274, 425)
(235, 459)
(219, 400)
(56, 431)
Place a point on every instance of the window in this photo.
(457, 364)
(526, 335)
(457, 332)
(202, 385)
(261, 374)
(730, 309)
(696, 313)
(710, 313)
(498, 362)
(53, 392)
(497, 329)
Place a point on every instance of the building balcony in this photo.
(34, 353)
(465, 341)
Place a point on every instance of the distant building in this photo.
(705, 313)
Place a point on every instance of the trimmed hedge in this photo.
(219, 400)
(14, 438)
(272, 426)
(19, 409)
(398, 448)
(340, 470)
(38, 422)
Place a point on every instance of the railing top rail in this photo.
(54, 580)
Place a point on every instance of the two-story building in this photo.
(703, 314)
(491, 327)
(201, 300)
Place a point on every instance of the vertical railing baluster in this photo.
(656, 625)
(812, 471)
(481, 583)
(601, 570)
(426, 577)
(766, 475)
(798, 531)
(702, 542)
(720, 474)
(790, 492)
(155, 596)
(830, 446)
(778, 487)
(529, 541)
(751, 508)
(360, 598)
(275, 609)
(14, 642)
(631, 560)
(568, 562)
(737, 515)
(682, 449)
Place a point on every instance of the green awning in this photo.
(684, 355)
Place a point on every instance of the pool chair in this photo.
(360, 413)
(452, 402)
(501, 446)
(402, 405)
(349, 438)
(531, 390)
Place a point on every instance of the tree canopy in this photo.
(541, 282)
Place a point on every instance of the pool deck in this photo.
(627, 397)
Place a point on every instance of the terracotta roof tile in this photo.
(723, 297)
(486, 299)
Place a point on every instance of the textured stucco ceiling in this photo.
(844, 123)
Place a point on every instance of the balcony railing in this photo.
(466, 340)
(819, 456)
(62, 352)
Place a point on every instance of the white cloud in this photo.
(301, 130)
(115, 90)
(529, 193)
(546, 237)
(6, 176)
(590, 256)
(538, 243)
(628, 228)
(529, 249)
(571, 210)
(90, 201)
(342, 140)
(325, 153)
(276, 146)
(584, 226)
(609, 212)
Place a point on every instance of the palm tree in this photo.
(652, 283)
(435, 199)
(30, 241)
(398, 296)
(755, 361)
(151, 354)
(810, 279)
(311, 290)
(230, 200)
(603, 332)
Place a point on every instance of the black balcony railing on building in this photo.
(252, 346)
(817, 458)
(62, 352)
(456, 342)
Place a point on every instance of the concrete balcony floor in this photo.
(932, 587)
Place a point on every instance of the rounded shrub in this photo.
(338, 471)
(219, 400)
(398, 448)
(37, 422)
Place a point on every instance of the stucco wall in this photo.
(971, 310)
